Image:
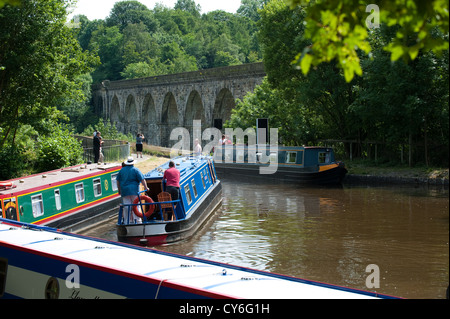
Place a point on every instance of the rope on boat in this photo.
(222, 273)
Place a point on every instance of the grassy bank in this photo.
(365, 168)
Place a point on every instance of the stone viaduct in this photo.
(155, 105)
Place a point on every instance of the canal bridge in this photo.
(156, 105)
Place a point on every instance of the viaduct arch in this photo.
(156, 105)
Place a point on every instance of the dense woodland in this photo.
(380, 90)
(134, 41)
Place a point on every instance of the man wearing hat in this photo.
(128, 181)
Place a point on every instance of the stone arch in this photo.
(194, 111)
(98, 105)
(169, 119)
(115, 113)
(131, 115)
(150, 120)
(223, 105)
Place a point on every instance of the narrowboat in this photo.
(301, 164)
(165, 220)
(42, 262)
(70, 198)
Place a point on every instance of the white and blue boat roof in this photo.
(143, 267)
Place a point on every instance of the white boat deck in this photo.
(230, 281)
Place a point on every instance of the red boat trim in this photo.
(151, 240)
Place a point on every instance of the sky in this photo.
(100, 9)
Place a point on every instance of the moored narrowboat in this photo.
(164, 220)
(40, 262)
(70, 198)
(301, 164)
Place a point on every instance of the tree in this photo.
(338, 30)
(224, 52)
(131, 12)
(398, 103)
(10, 2)
(188, 6)
(296, 126)
(78, 112)
(249, 8)
(139, 70)
(108, 43)
(58, 149)
(138, 44)
(85, 29)
(405, 103)
(305, 108)
(39, 61)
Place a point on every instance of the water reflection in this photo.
(332, 234)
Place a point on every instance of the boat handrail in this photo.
(145, 219)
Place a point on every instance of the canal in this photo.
(394, 237)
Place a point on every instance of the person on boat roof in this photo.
(128, 181)
(172, 177)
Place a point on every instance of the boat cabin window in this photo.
(38, 205)
(291, 157)
(203, 179)
(194, 188)
(97, 187)
(57, 199)
(114, 181)
(324, 157)
(79, 192)
(187, 191)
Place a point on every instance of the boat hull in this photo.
(87, 217)
(166, 232)
(330, 176)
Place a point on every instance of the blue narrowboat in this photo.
(39, 262)
(165, 220)
(300, 164)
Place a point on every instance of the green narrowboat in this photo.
(69, 198)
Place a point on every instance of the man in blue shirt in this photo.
(128, 181)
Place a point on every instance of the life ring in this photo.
(6, 184)
(150, 210)
(11, 211)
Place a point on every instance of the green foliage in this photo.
(78, 111)
(10, 2)
(135, 41)
(294, 124)
(403, 106)
(58, 149)
(339, 30)
(13, 161)
(125, 13)
(40, 59)
(108, 131)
